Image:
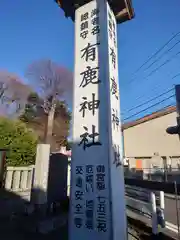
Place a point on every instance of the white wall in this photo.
(150, 137)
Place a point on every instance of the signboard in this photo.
(96, 151)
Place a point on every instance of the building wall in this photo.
(148, 138)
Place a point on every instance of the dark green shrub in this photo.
(19, 141)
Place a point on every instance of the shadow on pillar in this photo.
(57, 180)
(54, 200)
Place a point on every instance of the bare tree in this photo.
(35, 118)
(53, 83)
(13, 94)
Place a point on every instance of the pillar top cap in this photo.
(122, 8)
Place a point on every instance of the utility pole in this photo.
(176, 129)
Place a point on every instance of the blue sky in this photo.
(37, 29)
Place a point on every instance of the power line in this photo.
(163, 64)
(158, 51)
(162, 55)
(133, 115)
(176, 75)
(150, 100)
(155, 87)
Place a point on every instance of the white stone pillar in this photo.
(97, 208)
(8, 179)
(40, 178)
(24, 179)
(16, 180)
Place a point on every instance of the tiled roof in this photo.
(149, 117)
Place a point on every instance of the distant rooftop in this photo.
(149, 117)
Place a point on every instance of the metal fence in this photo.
(138, 203)
(157, 174)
